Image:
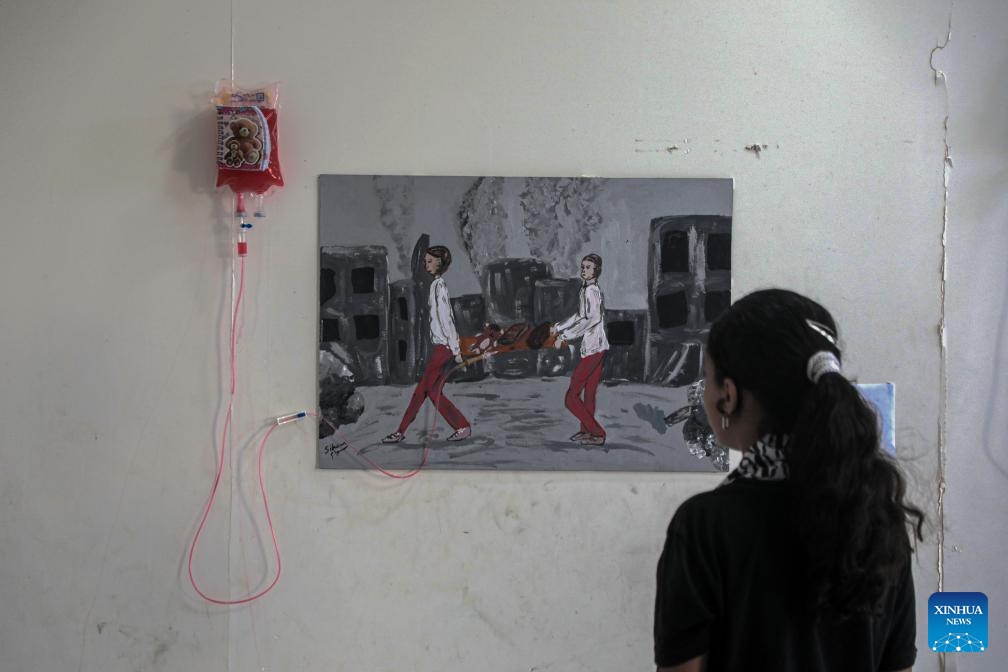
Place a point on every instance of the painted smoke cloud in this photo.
(396, 214)
(482, 221)
(560, 216)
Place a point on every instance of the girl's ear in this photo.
(728, 404)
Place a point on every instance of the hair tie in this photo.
(821, 363)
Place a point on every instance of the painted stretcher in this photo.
(493, 341)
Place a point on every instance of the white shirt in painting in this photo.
(587, 324)
(442, 324)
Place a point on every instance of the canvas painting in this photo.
(519, 323)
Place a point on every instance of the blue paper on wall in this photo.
(883, 397)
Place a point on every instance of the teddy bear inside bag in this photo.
(247, 154)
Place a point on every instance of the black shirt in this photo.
(727, 587)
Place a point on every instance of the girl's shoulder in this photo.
(735, 498)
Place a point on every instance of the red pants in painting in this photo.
(431, 386)
(586, 377)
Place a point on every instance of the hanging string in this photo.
(232, 21)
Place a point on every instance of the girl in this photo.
(444, 338)
(800, 559)
(588, 325)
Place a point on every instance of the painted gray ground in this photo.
(519, 424)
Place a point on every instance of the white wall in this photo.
(977, 313)
(115, 283)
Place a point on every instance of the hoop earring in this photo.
(725, 422)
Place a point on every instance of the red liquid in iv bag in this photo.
(248, 152)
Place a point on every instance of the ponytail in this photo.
(850, 514)
(849, 500)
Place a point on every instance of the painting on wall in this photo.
(519, 323)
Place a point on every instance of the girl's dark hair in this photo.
(850, 513)
(442, 254)
(595, 259)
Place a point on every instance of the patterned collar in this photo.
(764, 461)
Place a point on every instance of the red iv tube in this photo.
(243, 226)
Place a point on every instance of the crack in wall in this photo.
(942, 79)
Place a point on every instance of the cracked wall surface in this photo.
(976, 312)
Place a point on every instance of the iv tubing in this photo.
(220, 472)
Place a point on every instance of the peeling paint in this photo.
(665, 146)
